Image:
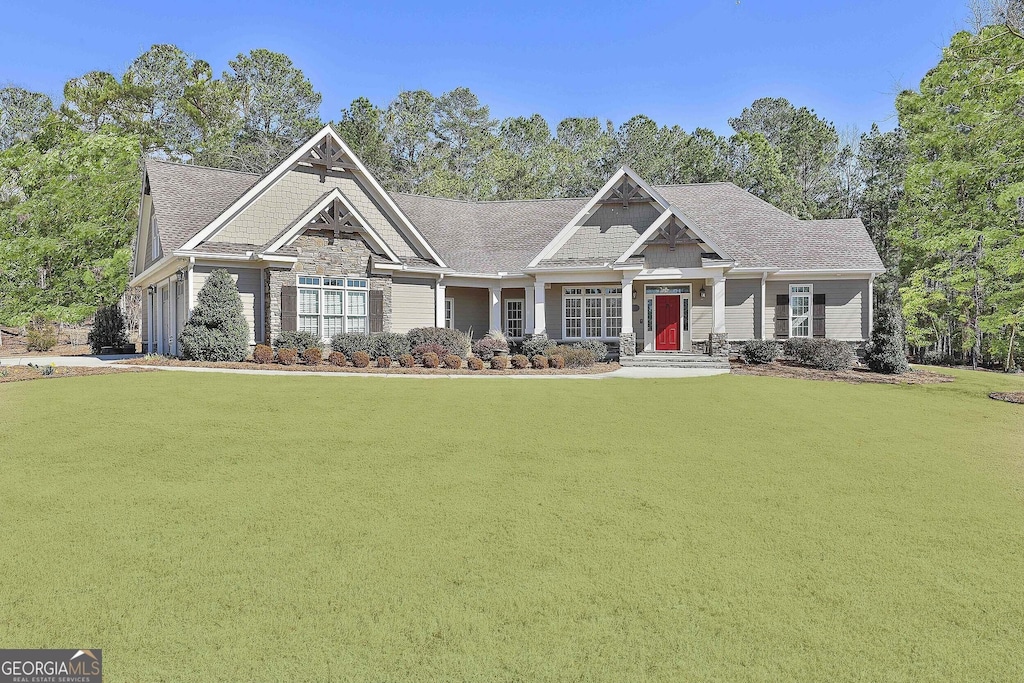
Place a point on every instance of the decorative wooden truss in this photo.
(672, 233)
(326, 156)
(627, 192)
(336, 218)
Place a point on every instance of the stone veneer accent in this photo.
(322, 254)
(627, 344)
(718, 344)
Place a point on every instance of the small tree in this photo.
(885, 352)
(216, 330)
(108, 329)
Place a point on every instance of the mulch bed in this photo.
(396, 369)
(792, 370)
(1008, 396)
(23, 373)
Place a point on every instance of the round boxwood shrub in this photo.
(216, 330)
(760, 351)
(452, 362)
(287, 356)
(832, 354)
(312, 356)
(520, 362)
(406, 360)
(475, 363)
(430, 360)
(108, 329)
(383, 361)
(540, 362)
(499, 363)
(361, 359)
(337, 358)
(300, 341)
(556, 361)
(263, 354)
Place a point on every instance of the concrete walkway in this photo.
(105, 361)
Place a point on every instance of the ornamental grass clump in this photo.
(520, 362)
(475, 363)
(361, 359)
(540, 362)
(406, 360)
(430, 360)
(312, 356)
(337, 359)
(452, 362)
(216, 330)
(263, 354)
(760, 351)
(287, 356)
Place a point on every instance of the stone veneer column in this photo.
(718, 344)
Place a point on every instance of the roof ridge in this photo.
(490, 201)
(713, 182)
(209, 168)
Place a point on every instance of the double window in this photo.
(591, 312)
(800, 310)
(329, 305)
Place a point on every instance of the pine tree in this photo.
(216, 330)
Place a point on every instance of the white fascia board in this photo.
(849, 273)
(680, 273)
(156, 269)
(138, 225)
(647, 234)
(304, 220)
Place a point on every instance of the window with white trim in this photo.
(449, 313)
(514, 317)
(154, 242)
(591, 312)
(800, 310)
(330, 305)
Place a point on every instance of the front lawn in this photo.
(206, 527)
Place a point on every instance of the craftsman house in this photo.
(317, 244)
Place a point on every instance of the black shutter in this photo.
(782, 316)
(819, 315)
(289, 298)
(376, 311)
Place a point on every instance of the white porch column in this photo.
(871, 305)
(627, 304)
(149, 321)
(764, 328)
(495, 321)
(718, 305)
(439, 291)
(528, 311)
(539, 312)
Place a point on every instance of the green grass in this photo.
(206, 527)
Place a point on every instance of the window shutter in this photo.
(289, 297)
(819, 315)
(376, 298)
(782, 316)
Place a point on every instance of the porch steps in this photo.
(674, 359)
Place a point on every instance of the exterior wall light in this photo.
(703, 293)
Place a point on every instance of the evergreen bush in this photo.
(108, 329)
(216, 330)
(760, 351)
(41, 334)
(885, 351)
(300, 341)
(390, 344)
(263, 354)
(455, 341)
(348, 343)
(801, 349)
(536, 346)
(598, 348)
(832, 354)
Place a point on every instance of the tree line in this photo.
(939, 194)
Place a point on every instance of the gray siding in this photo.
(846, 309)
(660, 256)
(249, 288)
(609, 232)
(472, 309)
(741, 321)
(412, 304)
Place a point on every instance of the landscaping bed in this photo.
(1008, 396)
(856, 375)
(22, 373)
(394, 369)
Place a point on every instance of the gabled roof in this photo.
(188, 197)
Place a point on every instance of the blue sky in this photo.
(692, 63)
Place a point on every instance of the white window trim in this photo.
(154, 243)
(522, 319)
(583, 296)
(321, 288)
(810, 309)
(449, 302)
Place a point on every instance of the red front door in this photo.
(666, 320)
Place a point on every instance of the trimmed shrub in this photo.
(361, 359)
(537, 346)
(520, 362)
(406, 360)
(390, 344)
(42, 335)
(475, 363)
(348, 344)
(499, 363)
(574, 356)
(437, 349)
(216, 330)
(263, 354)
(108, 329)
(287, 356)
(801, 349)
(452, 362)
(300, 341)
(430, 359)
(832, 354)
(313, 356)
(337, 358)
(760, 351)
(598, 348)
(886, 352)
(383, 361)
(484, 348)
(556, 361)
(540, 362)
(455, 341)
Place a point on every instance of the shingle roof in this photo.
(188, 197)
(487, 237)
